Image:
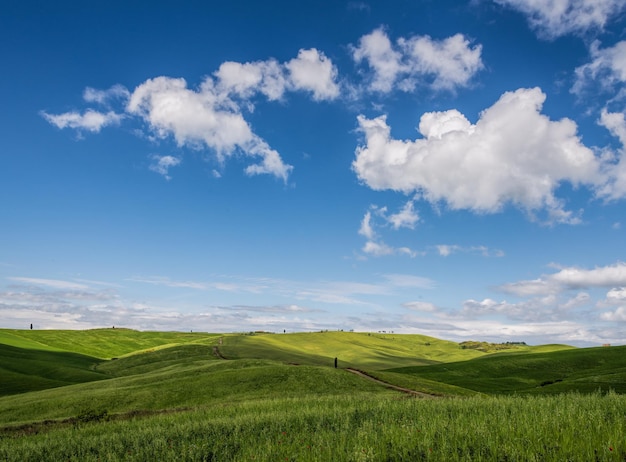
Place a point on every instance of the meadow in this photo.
(279, 397)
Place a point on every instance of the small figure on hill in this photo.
(335, 363)
(31, 327)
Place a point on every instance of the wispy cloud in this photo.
(162, 164)
(90, 120)
(555, 19)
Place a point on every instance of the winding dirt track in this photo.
(389, 385)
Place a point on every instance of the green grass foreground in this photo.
(347, 428)
(118, 394)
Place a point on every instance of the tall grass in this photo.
(349, 428)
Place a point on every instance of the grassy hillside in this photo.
(23, 370)
(185, 386)
(100, 343)
(359, 350)
(583, 370)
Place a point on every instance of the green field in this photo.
(119, 394)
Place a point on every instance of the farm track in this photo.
(390, 385)
(216, 352)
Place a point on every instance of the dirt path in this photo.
(389, 385)
(216, 352)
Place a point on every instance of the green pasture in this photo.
(371, 351)
(349, 427)
(119, 394)
(100, 343)
(582, 370)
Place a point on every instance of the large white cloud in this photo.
(202, 118)
(512, 155)
(442, 64)
(554, 18)
(211, 116)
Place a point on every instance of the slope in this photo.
(583, 370)
(23, 370)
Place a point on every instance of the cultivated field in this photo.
(118, 394)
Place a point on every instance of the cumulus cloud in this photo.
(211, 115)
(512, 155)
(554, 18)
(245, 79)
(312, 71)
(619, 315)
(202, 118)
(442, 64)
(162, 164)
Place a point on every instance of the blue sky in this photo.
(449, 168)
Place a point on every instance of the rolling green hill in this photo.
(360, 350)
(23, 370)
(100, 343)
(118, 394)
(583, 370)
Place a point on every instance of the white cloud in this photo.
(604, 276)
(617, 295)
(162, 164)
(606, 69)
(443, 64)
(536, 309)
(570, 278)
(451, 62)
(374, 245)
(90, 120)
(446, 250)
(366, 227)
(310, 71)
(405, 218)
(313, 71)
(420, 306)
(211, 115)
(376, 49)
(531, 287)
(378, 249)
(512, 155)
(202, 118)
(554, 18)
(247, 78)
(619, 315)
